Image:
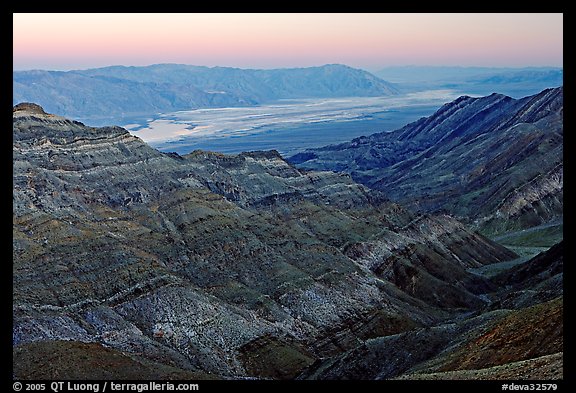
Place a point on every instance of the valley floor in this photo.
(288, 126)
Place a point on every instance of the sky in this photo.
(278, 40)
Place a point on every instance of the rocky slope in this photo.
(98, 95)
(502, 344)
(518, 336)
(547, 367)
(233, 266)
(494, 161)
(62, 359)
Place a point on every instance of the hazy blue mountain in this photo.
(552, 76)
(514, 82)
(414, 73)
(95, 97)
(118, 91)
(331, 80)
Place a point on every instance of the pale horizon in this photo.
(369, 69)
(63, 42)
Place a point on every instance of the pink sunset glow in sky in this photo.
(370, 41)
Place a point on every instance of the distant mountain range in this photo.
(101, 94)
(111, 94)
(494, 161)
(515, 82)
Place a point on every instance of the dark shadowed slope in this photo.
(494, 161)
(538, 280)
(74, 360)
(498, 338)
(521, 338)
